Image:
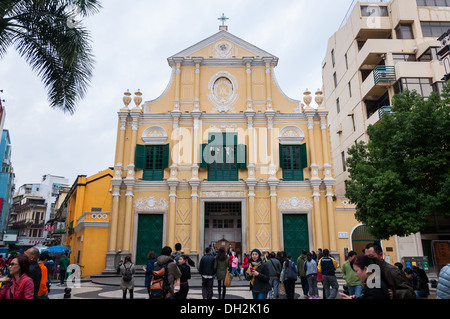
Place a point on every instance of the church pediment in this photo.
(222, 45)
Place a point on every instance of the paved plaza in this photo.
(107, 287)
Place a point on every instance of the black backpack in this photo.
(127, 276)
(159, 284)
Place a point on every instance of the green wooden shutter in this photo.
(139, 161)
(281, 155)
(242, 156)
(202, 162)
(165, 156)
(303, 156)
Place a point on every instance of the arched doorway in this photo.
(361, 236)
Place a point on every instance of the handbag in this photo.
(228, 279)
(176, 285)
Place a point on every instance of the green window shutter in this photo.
(202, 162)
(281, 156)
(292, 161)
(139, 161)
(165, 156)
(303, 156)
(242, 156)
(288, 174)
(153, 175)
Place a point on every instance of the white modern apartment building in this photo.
(381, 48)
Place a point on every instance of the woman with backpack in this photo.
(127, 270)
(151, 259)
(289, 277)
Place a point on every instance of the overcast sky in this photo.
(131, 42)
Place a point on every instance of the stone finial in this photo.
(127, 98)
(307, 98)
(319, 97)
(138, 98)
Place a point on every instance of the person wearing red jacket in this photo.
(20, 286)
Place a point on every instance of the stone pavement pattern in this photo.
(107, 287)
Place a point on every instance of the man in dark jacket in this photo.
(35, 271)
(399, 286)
(328, 265)
(206, 270)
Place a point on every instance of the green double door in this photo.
(149, 236)
(295, 234)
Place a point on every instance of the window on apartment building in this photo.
(293, 160)
(422, 86)
(403, 57)
(153, 159)
(346, 61)
(374, 11)
(223, 157)
(335, 79)
(404, 31)
(434, 29)
(344, 166)
(349, 89)
(429, 55)
(333, 59)
(373, 106)
(435, 3)
(338, 105)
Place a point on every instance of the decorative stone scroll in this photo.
(295, 203)
(151, 203)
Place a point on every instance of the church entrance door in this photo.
(149, 236)
(223, 225)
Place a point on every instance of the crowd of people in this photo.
(28, 275)
(270, 275)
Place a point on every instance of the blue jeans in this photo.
(273, 293)
(354, 290)
(259, 295)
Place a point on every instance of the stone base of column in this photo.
(111, 263)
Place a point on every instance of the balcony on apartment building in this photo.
(381, 77)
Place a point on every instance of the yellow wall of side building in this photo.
(90, 206)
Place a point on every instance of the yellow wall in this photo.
(90, 206)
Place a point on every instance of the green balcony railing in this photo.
(383, 73)
(384, 110)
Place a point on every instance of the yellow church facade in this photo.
(224, 157)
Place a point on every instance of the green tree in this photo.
(48, 34)
(400, 178)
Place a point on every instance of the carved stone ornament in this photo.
(223, 194)
(151, 203)
(223, 50)
(154, 135)
(291, 135)
(295, 203)
(223, 95)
